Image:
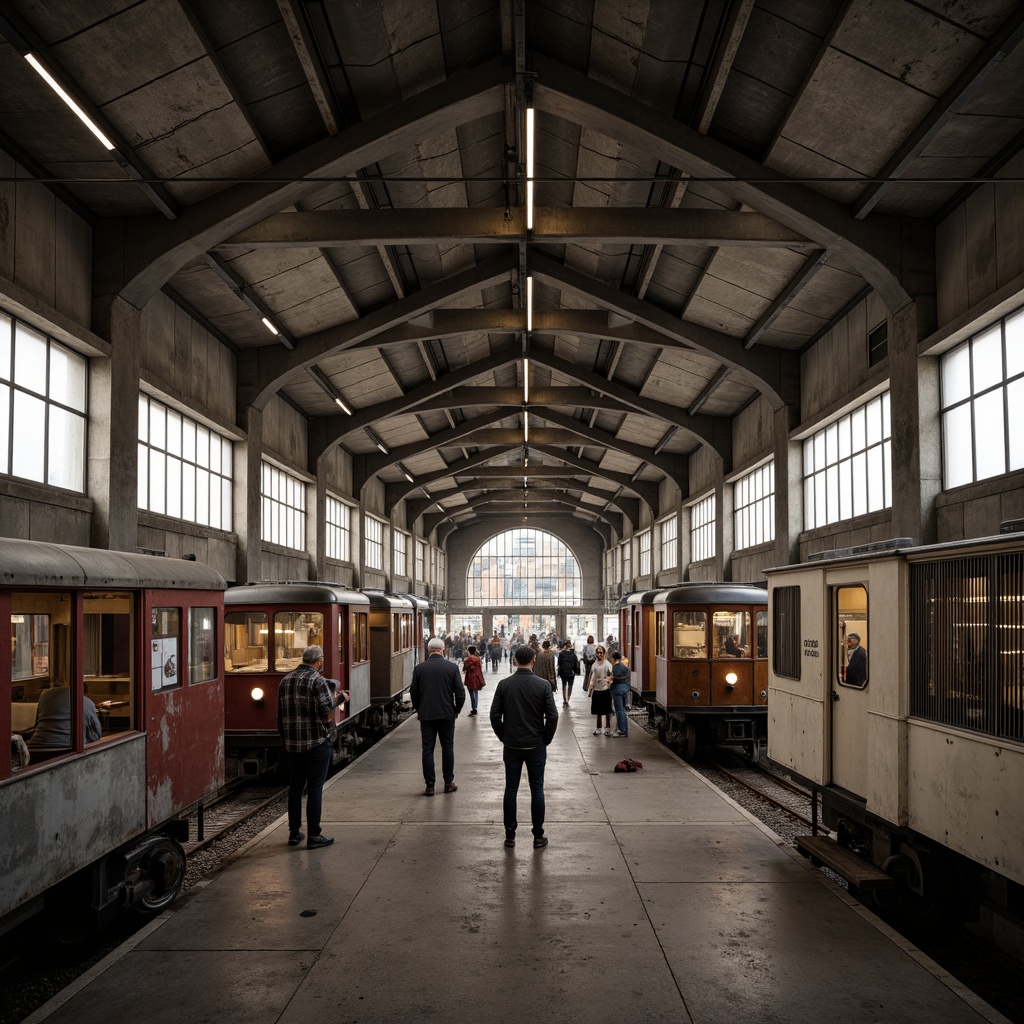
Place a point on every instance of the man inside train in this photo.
(53, 720)
(857, 665)
(733, 649)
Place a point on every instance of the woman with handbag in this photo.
(600, 692)
(473, 676)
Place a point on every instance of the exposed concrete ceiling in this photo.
(716, 182)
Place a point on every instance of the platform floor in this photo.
(658, 899)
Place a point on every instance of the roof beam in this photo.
(326, 228)
(721, 63)
(873, 248)
(155, 251)
(967, 83)
(810, 267)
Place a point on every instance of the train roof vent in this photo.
(877, 547)
(1012, 526)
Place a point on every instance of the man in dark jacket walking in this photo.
(524, 717)
(437, 696)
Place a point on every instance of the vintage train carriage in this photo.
(394, 649)
(918, 751)
(710, 664)
(296, 616)
(115, 709)
(636, 633)
(423, 623)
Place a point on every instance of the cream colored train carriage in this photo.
(918, 753)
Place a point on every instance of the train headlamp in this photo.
(731, 679)
(257, 694)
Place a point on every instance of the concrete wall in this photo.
(980, 249)
(45, 248)
(753, 434)
(34, 512)
(976, 510)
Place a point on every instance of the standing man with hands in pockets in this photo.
(437, 695)
(524, 717)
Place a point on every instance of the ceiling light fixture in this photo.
(526, 380)
(270, 327)
(408, 476)
(329, 389)
(529, 167)
(526, 425)
(377, 441)
(529, 304)
(79, 112)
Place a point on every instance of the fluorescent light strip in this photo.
(529, 168)
(342, 405)
(526, 380)
(79, 112)
(269, 326)
(529, 304)
(526, 425)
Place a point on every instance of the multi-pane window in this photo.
(610, 566)
(848, 466)
(644, 540)
(786, 624)
(702, 529)
(626, 554)
(421, 560)
(339, 530)
(185, 469)
(441, 576)
(283, 507)
(374, 543)
(43, 388)
(983, 404)
(524, 567)
(669, 535)
(754, 507)
(401, 545)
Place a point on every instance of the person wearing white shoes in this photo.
(600, 692)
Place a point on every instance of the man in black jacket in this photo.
(437, 695)
(524, 717)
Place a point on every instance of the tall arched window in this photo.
(524, 567)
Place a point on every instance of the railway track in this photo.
(788, 797)
(238, 802)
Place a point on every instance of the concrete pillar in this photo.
(316, 525)
(723, 525)
(112, 477)
(914, 415)
(248, 506)
(789, 491)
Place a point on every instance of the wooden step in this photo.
(859, 873)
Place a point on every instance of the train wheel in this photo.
(163, 865)
(688, 742)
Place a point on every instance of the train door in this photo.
(849, 681)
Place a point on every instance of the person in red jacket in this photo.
(473, 676)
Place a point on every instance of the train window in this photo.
(360, 637)
(731, 633)
(164, 649)
(245, 642)
(851, 624)
(108, 658)
(659, 634)
(762, 633)
(689, 634)
(293, 633)
(202, 664)
(30, 660)
(396, 633)
(786, 631)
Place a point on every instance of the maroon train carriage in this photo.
(711, 665)
(394, 652)
(297, 616)
(93, 823)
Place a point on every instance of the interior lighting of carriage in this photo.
(78, 111)
(529, 167)
(731, 679)
(256, 693)
(270, 327)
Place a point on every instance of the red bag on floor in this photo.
(627, 764)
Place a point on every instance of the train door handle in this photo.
(834, 695)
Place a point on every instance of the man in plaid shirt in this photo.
(305, 708)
